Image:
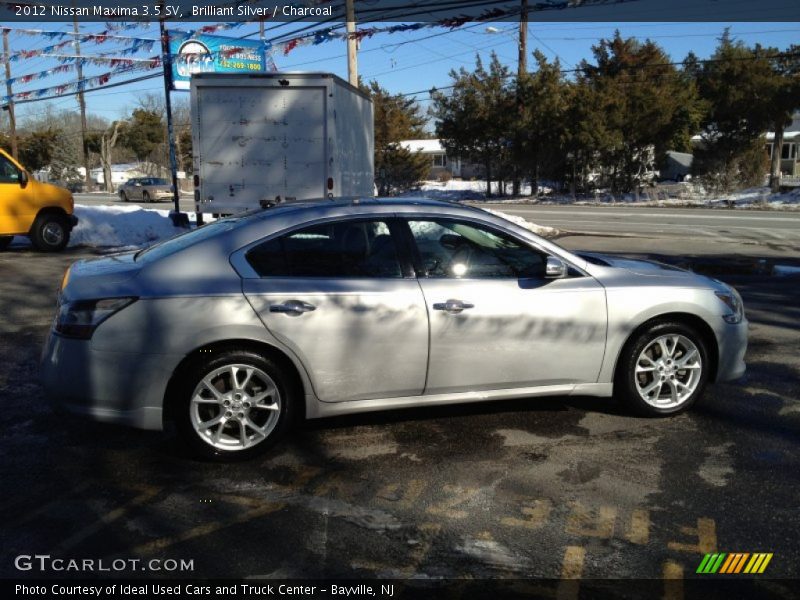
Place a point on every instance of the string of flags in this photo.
(121, 65)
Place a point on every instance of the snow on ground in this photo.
(537, 229)
(121, 226)
(665, 194)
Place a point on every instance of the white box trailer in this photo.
(260, 138)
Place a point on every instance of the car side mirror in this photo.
(23, 179)
(555, 268)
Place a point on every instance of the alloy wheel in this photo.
(668, 371)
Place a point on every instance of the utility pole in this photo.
(10, 107)
(166, 63)
(82, 103)
(352, 45)
(522, 70)
(522, 64)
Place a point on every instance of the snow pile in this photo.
(663, 194)
(537, 229)
(121, 226)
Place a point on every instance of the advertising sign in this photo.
(214, 54)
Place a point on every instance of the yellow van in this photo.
(41, 211)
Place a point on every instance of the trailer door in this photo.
(260, 143)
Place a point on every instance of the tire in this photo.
(260, 381)
(123, 196)
(661, 387)
(145, 197)
(5, 241)
(50, 232)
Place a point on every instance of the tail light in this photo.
(80, 318)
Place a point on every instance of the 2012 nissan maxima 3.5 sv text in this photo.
(315, 309)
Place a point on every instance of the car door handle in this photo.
(452, 306)
(292, 307)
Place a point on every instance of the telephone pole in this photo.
(82, 104)
(166, 63)
(352, 45)
(10, 107)
(522, 64)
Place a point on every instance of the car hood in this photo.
(646, 269)
(107, 277)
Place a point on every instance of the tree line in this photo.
(610, 122)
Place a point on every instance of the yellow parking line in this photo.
(109, 517)
(205, 529)
(672, 574)
(571, 572)
(639, 532)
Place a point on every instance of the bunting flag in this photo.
(119, 65)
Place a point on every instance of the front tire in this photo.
(123, 196)
(50, 232)
(5, 241)
(233, 405)
(663, 370)
(145, 197)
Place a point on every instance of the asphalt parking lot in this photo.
(561, 487)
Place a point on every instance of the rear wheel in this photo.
(145, 197)
(5, 241)
(233, 405)
(50, 232)
(664, 370)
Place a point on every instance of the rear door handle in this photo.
(292, 307)
(452, 306)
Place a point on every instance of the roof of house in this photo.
(424, 146)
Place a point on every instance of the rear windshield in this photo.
(184, 240)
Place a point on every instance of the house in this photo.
(119, 173)
(790, 152)
(440, 162)
(676, 166)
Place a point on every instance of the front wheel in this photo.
(5, 241)
(123, 196)
(663, 370)
(233, 405)
(145, 197)
(50, 232)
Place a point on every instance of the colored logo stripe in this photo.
(734, 562)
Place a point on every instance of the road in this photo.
(748, 227)
(769, 230)
(509, 490)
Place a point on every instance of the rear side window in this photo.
(343, 249)
(459, 250)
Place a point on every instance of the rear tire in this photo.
(5, 241)
(50, 232)
(145, 197)
(663, 370)
(218, 419)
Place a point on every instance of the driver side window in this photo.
(460, 250)
(8, 172)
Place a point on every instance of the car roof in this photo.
(362, 202)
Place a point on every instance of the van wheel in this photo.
(663, 370)
(5, 241)
(233, 405)
(50, 232)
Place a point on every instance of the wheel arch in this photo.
(294, 376)
(697, 323)
(50, 210)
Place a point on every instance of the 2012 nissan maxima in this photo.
(314, 309)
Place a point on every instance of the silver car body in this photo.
(371, 344)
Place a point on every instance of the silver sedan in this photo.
(308, 310)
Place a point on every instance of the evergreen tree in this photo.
(647, 107)
(737, 86)
(474, 120)
(143, 133)
(397, 118)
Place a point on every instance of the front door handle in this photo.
(292, 307)
(452, 306)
